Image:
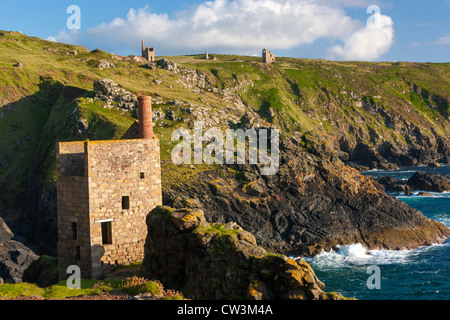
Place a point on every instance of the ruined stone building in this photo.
(267, 56)
(148, 53)
(105, 190)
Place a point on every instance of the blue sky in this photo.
(407, 30)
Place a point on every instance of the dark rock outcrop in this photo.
(218, 262)
(426, 181)
(392, 184)
(429, 181)
(14, 259)
(14, 256)
(43, 272)
(364, 155)
(5, 232)
(314, 202)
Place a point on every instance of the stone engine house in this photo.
(267, 56)
(105, 190)
(148, 53)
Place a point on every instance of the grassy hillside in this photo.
(49, 99)
(300, 91)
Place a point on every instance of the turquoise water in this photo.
(421, 274)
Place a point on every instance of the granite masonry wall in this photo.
(106, 203)
(148, 53)
(73, 208)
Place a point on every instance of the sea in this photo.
(420, 274)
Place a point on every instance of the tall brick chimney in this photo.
(145, 117)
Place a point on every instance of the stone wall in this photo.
(114, 170)
(73, 208)
(70, 159)
(148, 53)
(268, 56)
(111, 171)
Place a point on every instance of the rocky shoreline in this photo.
(221, 262)
(423, 181)
(314, 203)
(317, 201)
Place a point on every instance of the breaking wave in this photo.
(358, 255)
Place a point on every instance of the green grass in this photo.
(131, 286)
(304, 95)
(57, 291)
(104, 123)
(218, 229)
(21, 130)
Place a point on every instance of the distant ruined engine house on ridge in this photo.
(148, 53)
(105, 190)
(267, 56)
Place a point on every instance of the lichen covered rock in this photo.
(220, 261)
(113, 95)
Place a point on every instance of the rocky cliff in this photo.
(315, 202)
(221, 262)
(330, 113)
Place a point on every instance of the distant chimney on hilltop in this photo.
(148, 53)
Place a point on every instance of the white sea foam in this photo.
(415, 193)
(357, 255)
(402, 171)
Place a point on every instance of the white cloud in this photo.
(442, 41)
(445, 39)
(237, 26)
(368, 43)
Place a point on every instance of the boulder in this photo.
(150, 66)
(429, 181)
(425, 194)
(14, 256)
(220, 261)
(392, 184)
(105, 64)
(5, 232)
(115, 96)
(254, 188)
(14, 260)
(187, 219)
(167, 65)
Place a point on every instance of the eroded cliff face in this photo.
(220, 262)
(390, 132)
(376, 115)
(315, 202)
